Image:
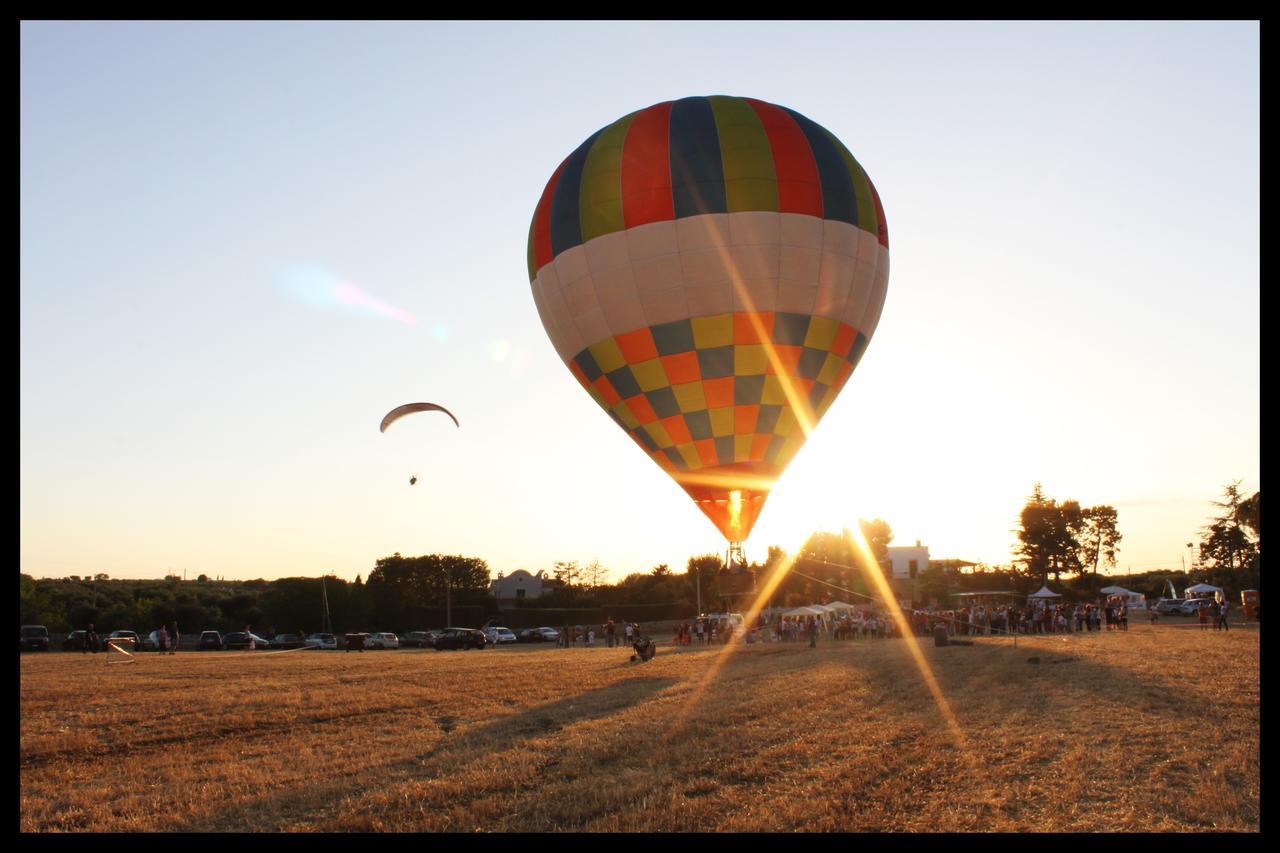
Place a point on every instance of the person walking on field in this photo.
(1204, 616)
(173, 638)
(162, 640)
(1222, 617)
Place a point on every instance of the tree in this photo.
(705, 566)
(878, 534)
(1099, 539)
(1226, 541)
(1050, 536)
(594, 575)
(661, 571)
(567, 574)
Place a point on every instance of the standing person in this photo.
(173, 638)
(248, 629)
(90, 640)
(1203, 612)
(813, 633)
(1153, 615)
(591, 637)
(1222, 616)
(162, 640)
(1122, 616)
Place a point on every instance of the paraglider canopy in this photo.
(409, 408)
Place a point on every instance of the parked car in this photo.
(129, 641)
(538, 635)
(287, 641)
(33, 638)
(1191, 606)
(416, 640)
(460, 638)
(382, 640)
(1167, 606)
(75, 641)
(497, 635)
(551, 635)
(322, 641)
(210, 641)
(240, 640)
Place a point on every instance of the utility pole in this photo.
(324, 595)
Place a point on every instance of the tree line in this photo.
(1055, 539)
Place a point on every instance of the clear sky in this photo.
(243, 243)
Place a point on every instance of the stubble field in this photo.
(1153, 730)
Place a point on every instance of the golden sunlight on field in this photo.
(1153, 730)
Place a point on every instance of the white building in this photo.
(908, 561)
(519, 584)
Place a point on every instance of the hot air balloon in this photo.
(711, 270)
(407, 409)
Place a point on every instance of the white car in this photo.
(498, 635)
(321, 641)
(385, 640)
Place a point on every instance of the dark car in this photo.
(240, 640)
(531, 635)
(288, 641)
(460, 638)
(76, 642)
(33, 638)
(416, 640)
(210, 641)
(128, 641)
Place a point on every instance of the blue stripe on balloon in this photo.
(566, 224)
(838, 200)
(697, 172)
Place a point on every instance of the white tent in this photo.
(799, 612)
(1045, 592)
(1132, 600)
(1200, 589)
(840, 605)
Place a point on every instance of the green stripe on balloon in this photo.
(600, 195)
(867, 219)
(751, 182)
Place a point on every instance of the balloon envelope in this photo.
(711, 270)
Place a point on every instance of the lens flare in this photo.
(319, 288)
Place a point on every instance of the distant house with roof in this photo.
(518, 585)
(907, 562)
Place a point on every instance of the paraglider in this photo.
(711, 271)
(409, 408)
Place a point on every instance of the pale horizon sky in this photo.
(1073, 217)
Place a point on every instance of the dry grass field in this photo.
(1153, 730)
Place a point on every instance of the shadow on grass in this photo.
(458, 743)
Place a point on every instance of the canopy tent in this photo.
(841, 605)
(1132, 600)
(1045, 592)
(1200, 589)
(799, 612)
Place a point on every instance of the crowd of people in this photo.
(611, 633)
